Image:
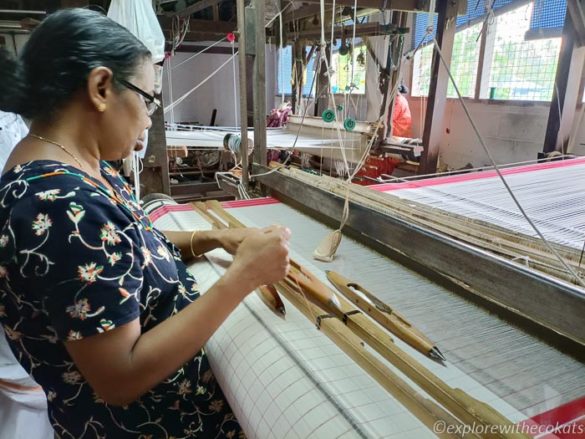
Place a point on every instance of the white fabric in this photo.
(139, 18)
(23, 413)
(12, 129)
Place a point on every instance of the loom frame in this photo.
(552, 304)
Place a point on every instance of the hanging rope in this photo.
(198, 53)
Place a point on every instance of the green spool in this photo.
(349, 124)
(328, 115)
(340, 107)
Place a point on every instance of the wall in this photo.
(217, 92)
(513, 133)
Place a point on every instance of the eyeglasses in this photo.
(151, 102)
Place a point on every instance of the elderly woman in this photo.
(96, 303)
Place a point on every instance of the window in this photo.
(285, 73)
(347, 72)
(521, 51)
(464, 63)
(284, 70)
(520, 69)
(421, 71)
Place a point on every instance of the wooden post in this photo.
(155, 176)
(297, 69)
(260, 85)
(566, 93)
(399, 19)
(433, 130)
(243, 99)
(322, 87)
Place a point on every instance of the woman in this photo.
(401, 117)
(96, 303)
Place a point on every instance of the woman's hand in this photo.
(262, 256)
(230, 239)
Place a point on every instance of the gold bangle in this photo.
(191, 244)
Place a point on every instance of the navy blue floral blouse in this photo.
(77, 260)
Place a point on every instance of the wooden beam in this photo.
(402, 5)
(399, 19)
(576, 9)
(369, 29)
(243, 75)
(197, 7)
(304, 12)
(297, 72)
(195, 37)
(199, 26)
(323, 85)
(155, 176)
(260, 85)
(191, 48)
(433, 130)
(565, 95)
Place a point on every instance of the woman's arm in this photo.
(122, 364)
(207, 240)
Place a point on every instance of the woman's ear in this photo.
(100, 85)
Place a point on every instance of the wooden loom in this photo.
(244, 356)
(474, 254)
(346, 330)
(309, 135)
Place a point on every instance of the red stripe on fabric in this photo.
(163, 210)
(562, 414)
(387, 187)
(248, 203)
(564, 422)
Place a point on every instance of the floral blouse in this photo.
(77, 260)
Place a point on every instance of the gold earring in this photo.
(101, 107)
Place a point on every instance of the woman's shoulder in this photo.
(38, 170)
(51, 186)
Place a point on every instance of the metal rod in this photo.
(243, 100)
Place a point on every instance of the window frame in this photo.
(482, 73)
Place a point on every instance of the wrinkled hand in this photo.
(230, 239)
(262, 256)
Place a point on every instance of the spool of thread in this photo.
(349, 124)
(340, 107)
(328, 115)
(232, 142)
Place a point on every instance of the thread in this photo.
(232, 142)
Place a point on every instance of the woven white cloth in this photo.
(12, 129)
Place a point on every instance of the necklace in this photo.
(65, 150)
(73, 156)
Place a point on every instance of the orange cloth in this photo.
(401, 118)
